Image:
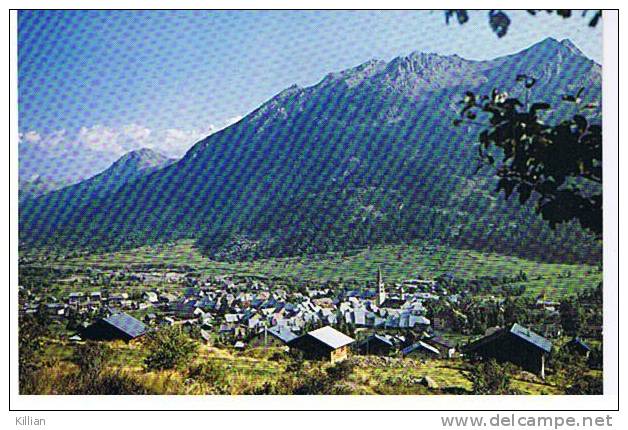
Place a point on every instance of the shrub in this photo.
(212, 373)
(168, 348)
(586, 384)
(340, 370)
(91, 358)
(489, 377)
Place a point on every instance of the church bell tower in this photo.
(381, 290)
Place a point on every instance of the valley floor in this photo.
(397, 262)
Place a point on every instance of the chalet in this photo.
(117, 326)
(325, 343)
(578, 346)
(444, 346)
(420, 349)
(276, 336)
(517, 344)
(376, 344)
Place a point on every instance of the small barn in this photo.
(420, 349)
(325, 343)
(444, 346)
(276, 336)
(517, 344)
(578, 346)
(376, 344)
(118, 326)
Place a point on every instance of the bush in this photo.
(168, 348)
(489, 377)
(340, 370)
(32, 329)
(587, 384)
(91, 358)
(212, 373)
(113, 384)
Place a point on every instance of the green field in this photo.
(398, 262)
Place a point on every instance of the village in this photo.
(413, 319)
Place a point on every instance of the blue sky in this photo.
(114, 81)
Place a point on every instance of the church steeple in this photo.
(381, 290)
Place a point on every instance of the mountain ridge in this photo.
(388, 126)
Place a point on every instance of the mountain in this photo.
(60, 163)
(36, 186)
(367, 155)
(56, 208)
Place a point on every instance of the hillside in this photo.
(366, 156)
(54, 209)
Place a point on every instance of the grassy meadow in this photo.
(250, 371)
(398, 262)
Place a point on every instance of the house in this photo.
(117, 326)
(420, 349)
(444, 346)
(376, 344)
(150, 296)
(325, 343)
(239, 345)
(275, 336)
(578, 346)
(517, 344)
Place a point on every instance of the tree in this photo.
(168, 348)
(571, 317)
(499, 21)
(32, 330)
(559, 166)
(489, 377)
(91, 358)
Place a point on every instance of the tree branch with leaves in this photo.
(558, 166)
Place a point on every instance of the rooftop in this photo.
(127, 324)
(331, 337)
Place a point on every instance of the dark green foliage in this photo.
(212, 373)
(558, 166)
(341, 370)
(92, 358)
(31, 333)
(596, 358)
(587, 385)
(168, 348)
(571, 317)
(489, 377)
(499, 21)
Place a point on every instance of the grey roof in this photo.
(383, 338)
(282, 333)
(126, 324)
(530, 336)
(331, 337)
(577, 341)
(418, 346)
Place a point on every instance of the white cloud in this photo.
(100, 138)
(136, 132)
(116, 141)
(31, 136)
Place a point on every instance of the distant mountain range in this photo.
(368, 155)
